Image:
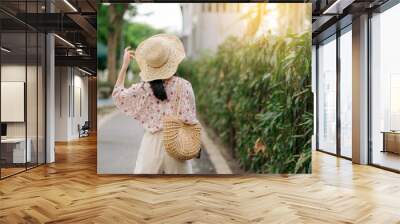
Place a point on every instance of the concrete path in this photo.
(118, 142)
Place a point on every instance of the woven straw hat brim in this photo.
(176, 55)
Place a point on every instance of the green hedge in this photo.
(256, 95)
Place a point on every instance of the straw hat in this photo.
(158, 57)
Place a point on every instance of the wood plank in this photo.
(70, 191)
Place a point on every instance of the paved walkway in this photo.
(119, 140)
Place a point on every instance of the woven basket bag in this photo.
(181, 140)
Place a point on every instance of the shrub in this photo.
(104, 89)
(256, 94)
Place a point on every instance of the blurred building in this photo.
(207, 25)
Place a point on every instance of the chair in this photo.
(84, 130)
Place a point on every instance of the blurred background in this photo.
(250, 67)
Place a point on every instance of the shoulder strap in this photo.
(178, 97)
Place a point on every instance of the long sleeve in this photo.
(187, 110)
(129, 100)
(139, 102)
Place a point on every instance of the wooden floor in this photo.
(69, 191)
(11, 170)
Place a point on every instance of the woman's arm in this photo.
(127, 100)
(187, 110)
(128, 56)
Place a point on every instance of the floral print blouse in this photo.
(139, 102)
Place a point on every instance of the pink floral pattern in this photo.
(139, 103)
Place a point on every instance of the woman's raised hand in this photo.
(128, 56)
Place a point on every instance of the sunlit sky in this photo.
(167, 16)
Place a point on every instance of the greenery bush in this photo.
(104, 89)
(256, 94)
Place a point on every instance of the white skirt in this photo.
(153, 159)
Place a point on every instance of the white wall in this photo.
(12, 99)
(62, 81)
(12, 73)
(80, 84)
(204, 30)
(70, 83)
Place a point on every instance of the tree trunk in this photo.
(114, 32)
(111, 57)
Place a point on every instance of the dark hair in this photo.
(158, 89)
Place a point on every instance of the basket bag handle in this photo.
(178, 98)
